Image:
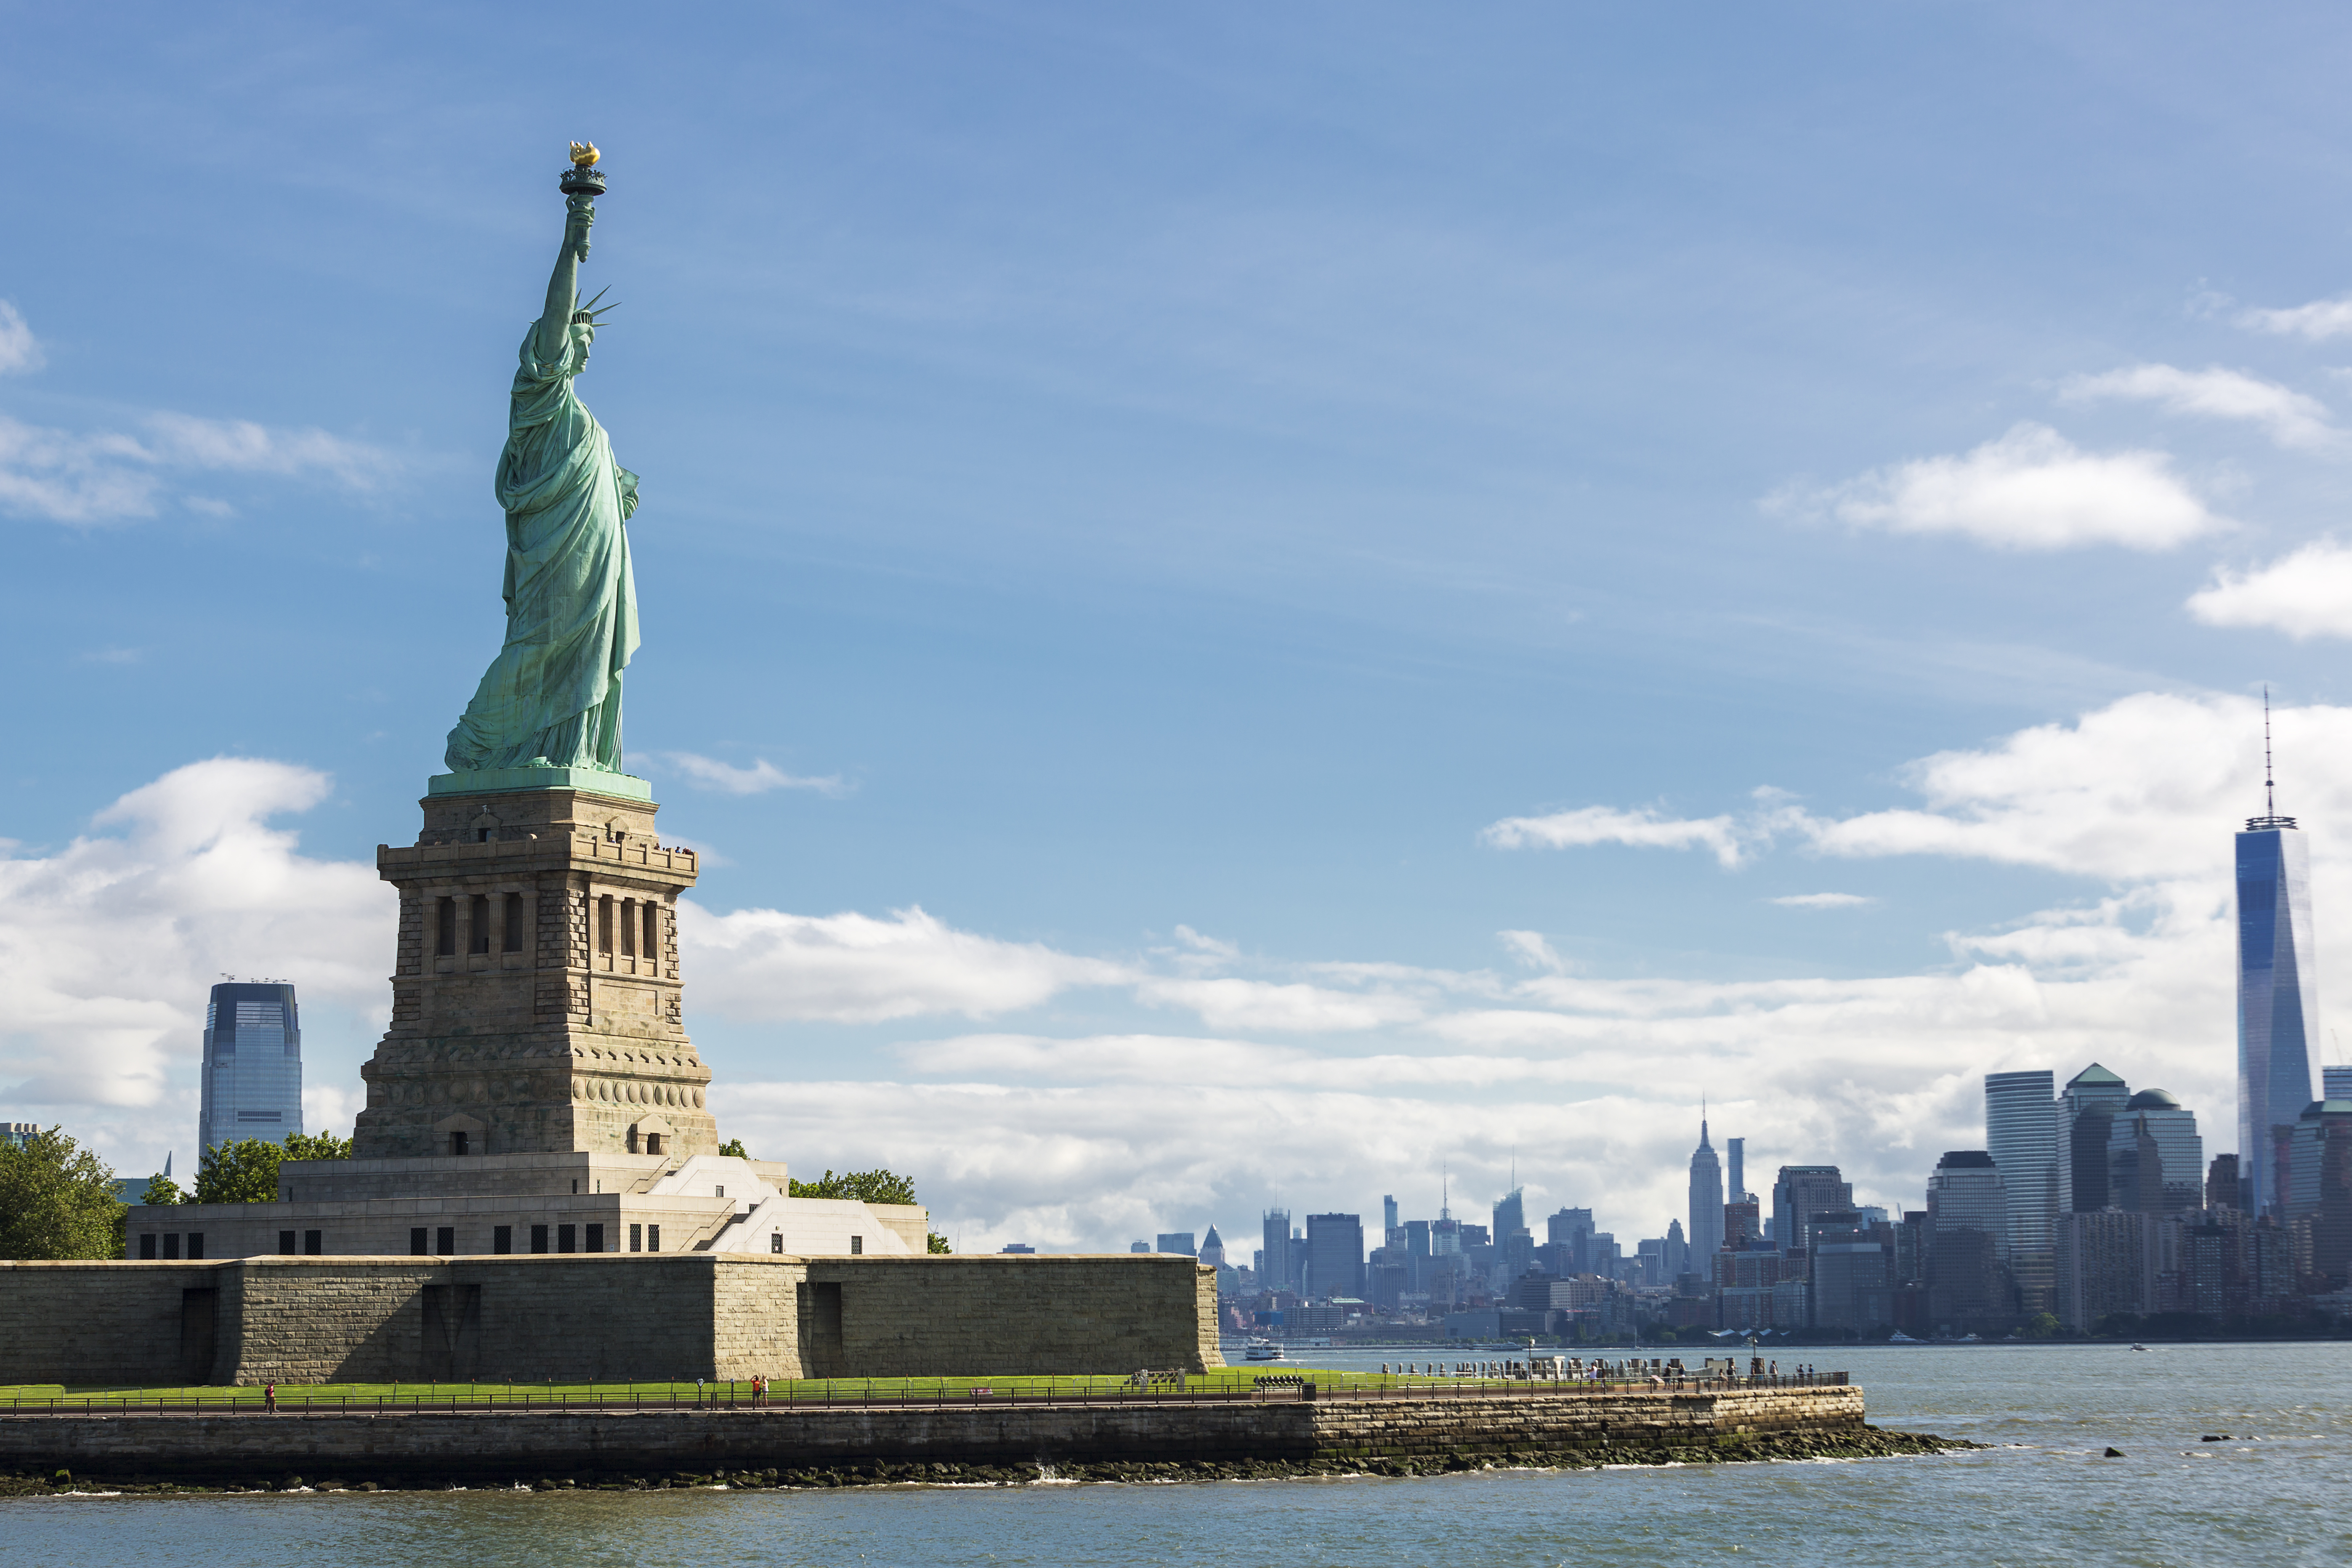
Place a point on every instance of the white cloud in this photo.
(767, 965)
(2293, 419)
(113, 942)
(109, 475)
(2320, 319)
(1532, 948)
(1824, 900)
(2307, 594)
(2030, 489)
(1235, 1003)
(20, 352)
(1605, 825)
(709, 772)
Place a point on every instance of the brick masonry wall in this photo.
(604, 1317)
(524, 1444)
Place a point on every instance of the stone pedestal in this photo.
(536, 1002)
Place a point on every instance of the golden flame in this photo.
(584, 154)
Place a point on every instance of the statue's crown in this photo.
(586, 315)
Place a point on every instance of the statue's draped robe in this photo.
(553, 694)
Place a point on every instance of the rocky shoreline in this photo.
(1869, 1442)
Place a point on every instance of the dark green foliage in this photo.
(56, 1201)
(246, 1172)
(733, 1149)
(162, 1189)
(939, 1244)
(865, 1186)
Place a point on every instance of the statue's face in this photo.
(583, 335)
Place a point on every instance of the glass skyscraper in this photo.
(253, 1064)
(2022, 1136)
(2278, 1001)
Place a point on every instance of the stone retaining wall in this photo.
(526, 1445)
(600, 1318)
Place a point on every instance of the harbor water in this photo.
(2275, 1493)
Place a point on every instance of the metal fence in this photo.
(1162, 1389)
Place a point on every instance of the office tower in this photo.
(1850, 1273)
(1742, 1225)
(1798, 1192)
(1570, 1235)
(1968, 1217)
(1335, 1255)
(1736, 1170)
(1388, 1213)
(1213, 1249)
(2278, 992)
(2156, 1160)
(2335, 1082)
(2319, 1198)
(1677, 1252)
(2104, 1266)
(1175, 1241)
(1706, 1200)
(2022, 1136)
(2221, 1183)
(1280, 1270)
(2094, 1097)
(253, 1064)
(1142, 1246)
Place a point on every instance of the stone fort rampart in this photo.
(602, 1317)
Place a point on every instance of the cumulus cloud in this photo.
(1606, 825)
(2291, 418)
(1231, 1002)
(2319, 320)
(107, 475)
(20, 352)
(709, 772)
(2307, 594)
(2030, 489)
(113, 942)
(1824, 900)
(854, 968)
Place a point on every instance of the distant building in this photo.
(1335, 1255)
(133, 1189)
(1736, 1170)
(1138, 1247)
(1176, 1241)
(1743, 1226)
(1388, 1212)
(2104, 1261)
(2278, 1000)
(1968, 1216)
(1705, 1234)
(1212, 1250)
(2093, 1098)
(1025, 1246)
(2335, 1082)
(2156, 1160)
(2221, 1183)
(2022, 1136)
(2319, 1201)
(1850, 1271)
(1279, 1269)
(1677, 1253)
(252, 1074)
(1798, 1192)
(18, 1133)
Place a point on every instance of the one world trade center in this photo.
(2278, 995)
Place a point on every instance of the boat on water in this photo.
(1262, 1349)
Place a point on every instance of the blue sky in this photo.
(1156, 491)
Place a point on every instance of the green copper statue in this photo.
(552, 696)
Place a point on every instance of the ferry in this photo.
(1262, 1349)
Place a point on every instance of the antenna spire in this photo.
(2270, 819)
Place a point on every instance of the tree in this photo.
(2042, 1325)
(162, 1191)
(939, 1244)
(876, 1187)
(56, 1201)
(734, 1150)
(246, 1172)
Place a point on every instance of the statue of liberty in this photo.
(552, 696)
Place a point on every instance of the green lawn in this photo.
(370, 1395)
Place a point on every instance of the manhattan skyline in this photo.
(1343, 599)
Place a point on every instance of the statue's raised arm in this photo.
(552, 699)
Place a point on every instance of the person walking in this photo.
(269, 1397)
